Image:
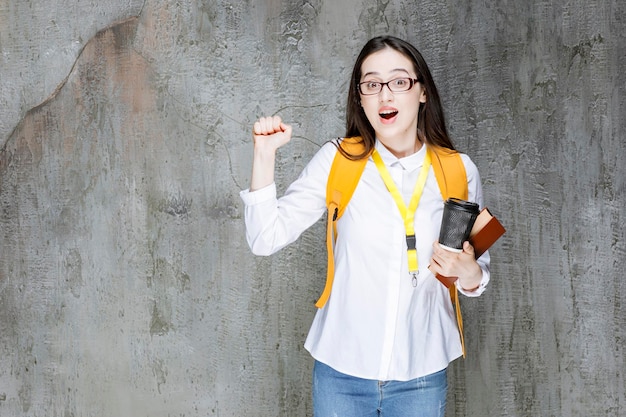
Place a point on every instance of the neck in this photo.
(401, 149)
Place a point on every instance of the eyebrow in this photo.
(377, 73)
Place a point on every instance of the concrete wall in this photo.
(126, 285)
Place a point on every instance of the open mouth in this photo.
(388, 114)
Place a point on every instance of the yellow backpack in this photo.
(342, 181)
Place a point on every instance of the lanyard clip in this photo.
(414, 275)
(410, 242)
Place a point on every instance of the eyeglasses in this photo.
(398, 85)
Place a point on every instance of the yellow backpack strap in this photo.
(342, 181)
(452, 180)
(450, 172)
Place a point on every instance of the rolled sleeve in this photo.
(265, 194)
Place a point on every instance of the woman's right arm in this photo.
(272, 223)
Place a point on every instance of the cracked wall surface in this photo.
(126, 285)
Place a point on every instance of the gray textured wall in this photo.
(126, 286)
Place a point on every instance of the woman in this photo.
(383, 341)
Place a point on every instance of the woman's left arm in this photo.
(473, 275)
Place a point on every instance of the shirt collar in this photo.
(408, 163)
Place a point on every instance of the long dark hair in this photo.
(431, 124)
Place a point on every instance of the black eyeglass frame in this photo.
(412, 82)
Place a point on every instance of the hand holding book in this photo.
(485, 232)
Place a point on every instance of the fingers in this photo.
(438, 258)
(269, 125)
(286, 128)
(440, 253)
(451, 263)
(468, 248)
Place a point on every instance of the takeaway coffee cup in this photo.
(458, 218)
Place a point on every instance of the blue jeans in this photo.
(339, 395)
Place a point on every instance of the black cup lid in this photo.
(458, 204)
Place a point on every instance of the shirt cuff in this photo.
(261, 195)
(478, 290)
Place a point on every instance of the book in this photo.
(486, 230)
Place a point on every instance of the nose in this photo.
(385, 93)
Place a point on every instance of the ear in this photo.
(423, 96)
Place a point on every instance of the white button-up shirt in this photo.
(376, 325)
